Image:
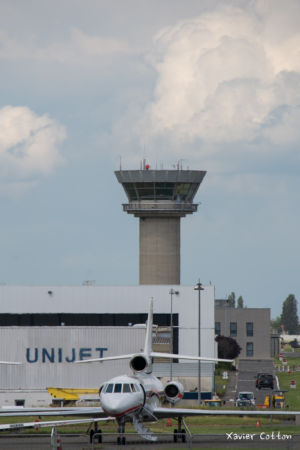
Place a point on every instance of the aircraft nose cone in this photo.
(111, 404)
(117, 405)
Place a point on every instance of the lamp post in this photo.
(172, 292)
(199, 288)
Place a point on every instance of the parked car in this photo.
(245, 399)
(264, 380)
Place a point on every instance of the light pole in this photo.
(199, 288)
(172, 292)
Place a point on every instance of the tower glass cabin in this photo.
(159, 198)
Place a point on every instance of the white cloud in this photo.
(228, 76)
(28, 144)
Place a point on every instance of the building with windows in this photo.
(250, 327)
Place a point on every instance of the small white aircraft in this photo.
(136, 398)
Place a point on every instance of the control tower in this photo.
(160, 198)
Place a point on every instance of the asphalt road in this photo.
(247, 376)
(80, 442)
(244, 380)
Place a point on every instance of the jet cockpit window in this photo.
(109, 388)
(118, 388)
(126, 388)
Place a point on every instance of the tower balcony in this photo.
(150, 208)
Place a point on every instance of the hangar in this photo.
(48, 327)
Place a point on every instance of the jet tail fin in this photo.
(148, 338)
(147, 345)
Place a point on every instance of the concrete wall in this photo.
(159, 250)
(261, 328)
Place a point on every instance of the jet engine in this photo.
(140, 363)
(174, 392)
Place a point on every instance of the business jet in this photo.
(136, 398)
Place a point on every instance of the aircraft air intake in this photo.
(140, 363)
(174, 392)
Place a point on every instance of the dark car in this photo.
(264, 380)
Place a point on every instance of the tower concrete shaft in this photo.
(160, 250)
(159, 198)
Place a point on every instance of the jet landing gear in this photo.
(97, 433)
(121, 440)
(179, 433)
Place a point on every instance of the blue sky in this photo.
(214, 85)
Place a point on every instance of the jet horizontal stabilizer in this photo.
(107, 358)
(10, 362)
(196, 358)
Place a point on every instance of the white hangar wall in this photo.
(121, 299)
(47, 355)
(43, 350)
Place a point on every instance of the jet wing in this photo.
(51, 423)
(161, 413)
(38, 412)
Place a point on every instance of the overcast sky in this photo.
(211, 83)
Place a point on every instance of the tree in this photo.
(228, 348)
(276, 324)
(289, 316)
(240, 302)
(231, 299)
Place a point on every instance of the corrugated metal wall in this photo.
(47, 352)
(121, 299)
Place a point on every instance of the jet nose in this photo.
(111, 404)
(118, 404)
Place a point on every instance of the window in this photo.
(164, 191)
(131, 192)
(233, 328)
(118, 388)
(19, 402)
(249, 348)
(218, 328)
(182, 190)
(249, 328)
(109, 388)
(126, 388)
